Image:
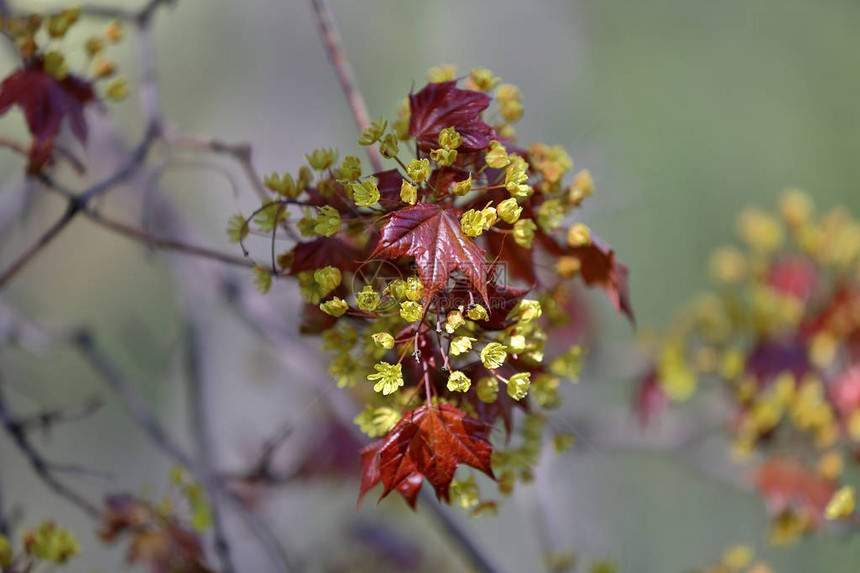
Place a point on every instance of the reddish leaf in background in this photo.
(650, 400)
(599, 268)
(46, 101)
(786, 483)
(427, 442)
(442, 105)
(432, 235)
(323, 252)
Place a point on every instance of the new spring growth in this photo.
(524, 232)
(51, 543)
(367, 299)
(509, 210)
(327, 221)
(518, 385)
(389, 148)
(463, 187)
(418, 170)
(461, 345)
(493, 355)
(408, 192)
(321, 159)
(335, 307)
(328, 278)
(388, 378)
(383, 340)
(458, 382)
(497, 156)
(477, 312)
(411, 311)
(453, 321)
(579, 235)
(373, 133)
(842, 503)
(365, 193)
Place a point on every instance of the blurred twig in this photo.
(43, 468)
(331, 40)
(198, 386)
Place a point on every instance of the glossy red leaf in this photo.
(599, 268)
(323, 252)
(432, 234)
(46, 102)
(428, 442)
(442, 105)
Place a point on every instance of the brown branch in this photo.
(151, 240)
(43, 468)
(46, 419)
(142, 415)
(335, 53)
(78, 202)
(202, 430)
(241, 152)
(43, 241)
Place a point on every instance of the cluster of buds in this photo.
(437, 281)
(48, 543)
(780, 333)
(45, 89)
(39, 42)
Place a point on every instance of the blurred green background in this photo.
(684, 111)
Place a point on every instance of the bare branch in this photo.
(46, 419)
(331, 40)
(43, 241)
(202, 429)
(42, 468)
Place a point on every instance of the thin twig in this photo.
(43, 241)
(146, 420)
(78, 202)
(42, 468)
(202, 430)
(4, 521)
(331, 40)
(165, 243)
(48, 418)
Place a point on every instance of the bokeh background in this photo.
(684, 111)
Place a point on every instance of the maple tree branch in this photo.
(202, 429)
(143, 416)
(43, 241)
(165, 243)
(43, 468)
(346, 78)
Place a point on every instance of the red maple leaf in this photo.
(786, 483)
(428, 442)
(46, 101)
(432, 234)
(599, 268)
(442, 105)
(323, 252)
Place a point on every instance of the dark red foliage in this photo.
(599, 268)
(332, 453)
(650, 400)
(432, 234)
(158, 542)
(45, 102)
(794, 276)
(771, 358)
(389, 183)
(323, 252)
(442, 105)
(428, 442)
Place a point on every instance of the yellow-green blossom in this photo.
(461, 345)
(842, 503)
(414, 288)
(518, 385)
(418, 170)
(411, 311)
(488, 389)
(408, 192)
(497, 156)
(579, 235)
(388, 378)
(367, 299)
(365, 193)
(335, 307)
(477, 312)
(453, 321)
(463, 187)
(472, 223)
(524, 232)
(493, 355)
(327, 222)
(458, 382)
(383, 340)
(509, 210)
(328, 278)
(528, 310)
